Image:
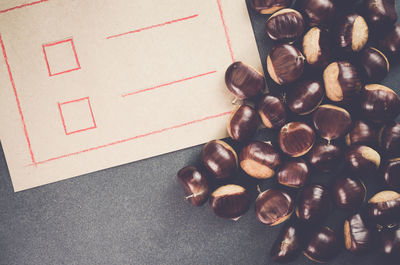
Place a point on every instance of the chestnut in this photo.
(296, 139)
(331, 122)
(374, 65)
(342, 82)
(286, 25)
(259, 159)
(323, 245)
(319, 12)
(195, 185)
(362, 161)
(274, 206)
(380, 14)
(314, 204)
(288, 245)
(389, 243)
(379, 103)
(348, 193)
(351, 33)
(391, 174)
(285, 64)
(389, 139)
(230, 201)
(317, 48)
(384, 208)
(390, 43)
(244, 81)
(358, 235)
(269, 6)
(243, 123)
(305, 96)
(362, 133)
(272, 112)
(324, 156)
(294, 173)
(219, 159)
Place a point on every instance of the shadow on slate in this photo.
(135, 213)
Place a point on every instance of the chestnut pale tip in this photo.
(311, 45)
(384, 196)
(359, 34)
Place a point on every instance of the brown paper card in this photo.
(88, 85)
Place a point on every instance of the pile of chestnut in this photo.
(330, 115)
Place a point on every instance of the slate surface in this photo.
(135, 214)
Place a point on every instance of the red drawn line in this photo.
(63, 120)
(17, 99)
(73, 49)
(228, 40)
(21, 6)
(153, 26)
(167, 84)
(135, 137)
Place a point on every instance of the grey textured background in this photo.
(135, 214)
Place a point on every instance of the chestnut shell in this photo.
(389, 243)
(373, 64)
(351, 33)
(319, 12)
(219, 159)
(243, 123)
(362, 133)
(195, 184)
(391, 174)
(348, 193)
(323, 245)
(274, 206)
(384, 208)
(314, 204)
(324, 156)
(285, 25)
(272, 112)
(390, 43)
(358, 234)
(296, 139)
(379, 103)
(259, 159)
(294, 173)
(380, 14)
(362, 161)
(269, 6)
(230, 201)
(244, 81)
(285, 64)
(289, 243)
(305, 96)
(389, 139)
(331, 122)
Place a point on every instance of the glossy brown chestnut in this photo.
(294, 173)
(243, 123)
(325, 156)
(286, 25)
(259, 160)
(274, 206)
(331, 122)
(362, 161)
(389, 243)
(379, 103)
(195, 185)
(230, 201)
(342, 82)
(351, 33)
(296, 139)
(314, 204)
(305, 96)
(348, 193)
(288, 245)
(389, 139)
(269, 6)
(219, 159)
(391, 174)
(384, 208)
(319, 12)
(358, 235)
(272, 112)
(373, 64)
(362, 133)
(285, 64)
(244, 81)
(390, 43)
(323, 245)
(317, 47)
(380, 14)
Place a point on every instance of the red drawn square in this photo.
(77, 115)
(61, 57)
